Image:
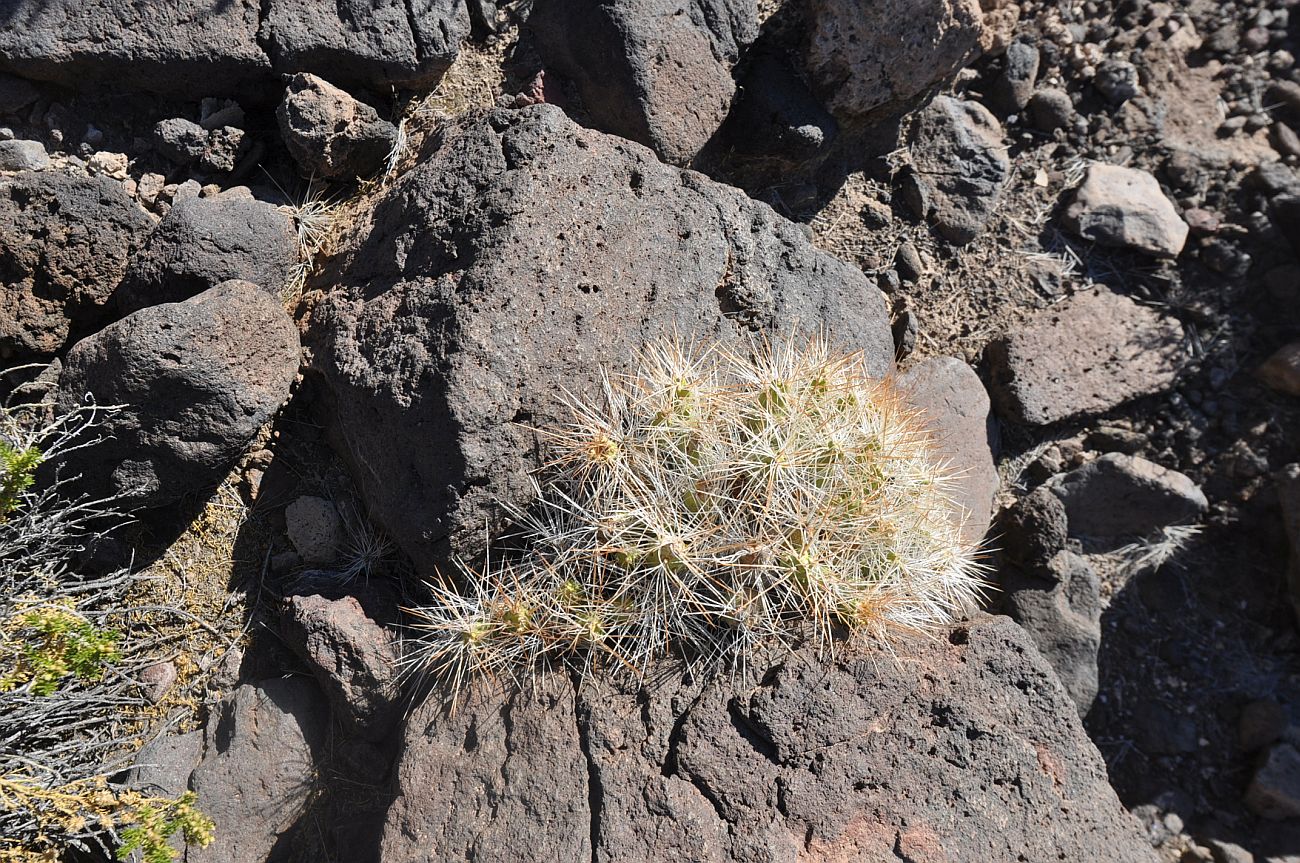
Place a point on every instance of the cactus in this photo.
(711, 501)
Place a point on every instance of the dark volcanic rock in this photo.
(1035, 528)
(329, 133)
(64, 246)
(499, 782)
(199, 48)
(256, 776)
(776, 117)
(202, 242)
(355, 660)
(959, 167)
(366, 43)
(865, 56)
(961, 747)
(1121, 495)
(23, 156)
(526, 255)
(179, 140)
(196, 380)
(1015, 86)
(655, 71)
(183, 46)
(957, 412)
(1059, 603)
(1090, 353)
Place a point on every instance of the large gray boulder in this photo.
(958, 747)
(525, 256)
(202, 242)
(870, 56)
(655, 71)
(199, 48)
(256, 777)
(1120, 496)
(959, 167)
(194, 382)
(64, 246)
(1089, 353)
(374, 44)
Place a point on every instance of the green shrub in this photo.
(17, 474)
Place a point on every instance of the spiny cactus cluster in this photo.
(709, 501)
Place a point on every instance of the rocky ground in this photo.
(335, 262)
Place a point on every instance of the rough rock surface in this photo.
(366, 43)
(963, 747)
(163, 766)
(1085, 355)
(196, 380)
(957, 408)
(315, 529)
(526, 255)
(1059, 604)
(866, 55)
(655, 71)
(1122, 495)
(1015, 86)
(1035, 528)
(23, 156)
(182, 46)
(1125, 207)
(259, 755)
(196, 46)
(202, 242)
(64, 246)
(329, 133)
(355, 660)
(959, 167)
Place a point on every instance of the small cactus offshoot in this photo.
(709, 502)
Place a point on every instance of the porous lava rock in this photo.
(64, 246)
(525, 257)
(257, 773)
(959, 747)
(655, 71)
(202, 242)
(1120, 495)
(193, 382)
(870, 56)
(329, 133)
(198, 48)
(959, 167)
(1087, 354)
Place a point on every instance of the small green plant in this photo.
(710, 501)
(45, 645)
(17, 474)
(143, 823)
(157, 820)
